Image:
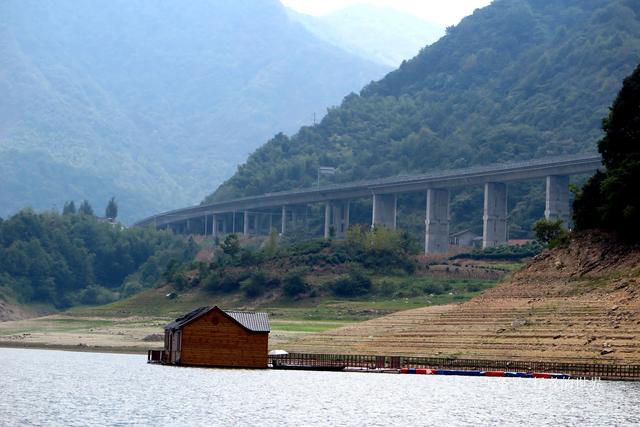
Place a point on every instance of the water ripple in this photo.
(45, 388)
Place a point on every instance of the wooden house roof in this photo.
(252, 321)
(461, 233)
(257, 322)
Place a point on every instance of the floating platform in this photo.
(477, 373)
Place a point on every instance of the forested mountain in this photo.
(152, 102)
(377, 33)
(516, 80)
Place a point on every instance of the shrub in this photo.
(272, 282)
(433, 288)
(387, 289)
(550, 232)
(256, 285)
(307, 247)
(294, 285)
(270, 246)
(225, 283)
(96, 295)
(171, 270)
(131, 288)
(249, 258)
(516, 252)
(179, 281)
(211, 283)
(231, 245)
(356, 283)
(408, 292)
(473, 287)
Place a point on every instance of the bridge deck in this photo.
(507, 172)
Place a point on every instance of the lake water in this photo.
(44, 387)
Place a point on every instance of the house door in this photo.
(177, 346)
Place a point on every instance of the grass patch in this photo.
(305, 326)
(56, 325)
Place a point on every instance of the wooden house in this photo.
(210, 336)
(465, 238)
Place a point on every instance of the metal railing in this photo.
(608, 371)
(156, 356)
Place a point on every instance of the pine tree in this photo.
(85, 208)
(69, 208)
(112, 209)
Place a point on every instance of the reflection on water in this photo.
(43, 387)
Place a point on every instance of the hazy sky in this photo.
(445, 12)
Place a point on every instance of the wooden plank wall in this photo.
(216, 340)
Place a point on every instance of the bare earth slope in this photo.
(9, 311)
(579, 303)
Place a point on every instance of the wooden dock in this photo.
(369, 363)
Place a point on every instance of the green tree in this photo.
(256, 285)
(231, 245)
(69, 208)
(270, 247)
(54, 259)
(550, 232)
(294, 284)
(85, 208)
(111, 211)
(610, 199)
(356, 283)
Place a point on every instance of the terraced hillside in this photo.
(581, 303)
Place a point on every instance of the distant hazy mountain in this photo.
(153, 102)
(383, 34)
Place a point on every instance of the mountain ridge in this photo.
(152, 103)
(379, 33)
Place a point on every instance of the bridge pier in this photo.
(384, 210)
(341, 218)
(231, 224)
(327, 219)
(294, 217)
(336, 215)
(437, 221)
(283, 224)
(214, 226)
(256, 223)
(495, 215)
(557, 199)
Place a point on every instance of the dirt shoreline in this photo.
(74, 348)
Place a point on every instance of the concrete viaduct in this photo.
(222, 217)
